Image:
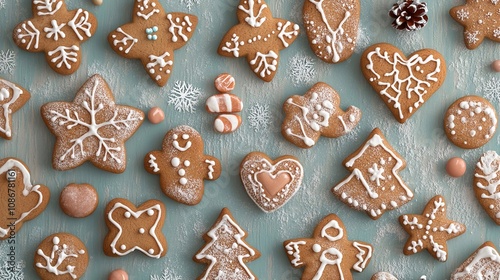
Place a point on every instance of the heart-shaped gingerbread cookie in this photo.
(270, 183)
(403, 83)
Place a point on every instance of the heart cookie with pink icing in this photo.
(270, 183)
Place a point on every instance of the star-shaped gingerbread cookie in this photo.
(479, 19)
(152, 37)
(430, 230)
(259, 37)
(57, 32)
(92, 127)
(12, 98)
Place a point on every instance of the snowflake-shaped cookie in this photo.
(92, 127)
(57, 32)
(479, 19)
(153, 36)
(12, 98)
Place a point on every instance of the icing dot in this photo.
(316, 248)
(141, 231)
(175, 162)
(151, 251)
(123, 247)
(150, 212)
(456, 167)
(187, 163)
(185, 136)
(127, 215)
(56, 240)
(492, 206)
(183, 181)
(175, 136)
(181, 172)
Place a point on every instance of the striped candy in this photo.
(224, 83)
(227, 123)
(224, 103)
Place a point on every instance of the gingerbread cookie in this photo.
(78, 200)
(404, 84)
(374, 185)
(470, 122)
(270, 183)
(153, 36)
(12, 98)
(332, 28)
(57, 32)
(487, 184)
(484, 263)
(316, 114)
(21, 200)
(61, 256)
(383, 276)
(92, 127)
(259, 37)
(328, 254)
(182, 166)
(135, 228)
(479, 21)
(226, 252)
(430, 230)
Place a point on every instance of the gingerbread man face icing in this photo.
(328, 254)
(153, 36)
(259, 37)
(135, 228)
(182, 166)
(317, 113)
(484, 263)
(57, 32)
(12, 98)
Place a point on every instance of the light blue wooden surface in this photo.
(421, 141)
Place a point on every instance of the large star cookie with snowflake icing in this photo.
(152, 37)
(479, 19)
(431, 230)
(92, 128)
(259, 37)
(57, 32)
(12, 98)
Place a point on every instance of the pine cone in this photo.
(409, 15)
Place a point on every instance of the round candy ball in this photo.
(78, 200)
(97, 2)
(156, 115)
(455, 167)
(118, 274)
(495, 65)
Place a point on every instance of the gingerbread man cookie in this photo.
(57, 32)
(153, 36)
(328, 254)
(12, 98)
(22, 201)
(487, 184)
(259, 37)
(484, 263)
(182, 166)
(135, 228)
(316, 114)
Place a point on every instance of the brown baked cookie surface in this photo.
(12, 98)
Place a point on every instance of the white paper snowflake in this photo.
(462, 14)
(190, 3)
(301, 69)
(184, 96)
(165, 275)
(7, 60)
(491, 90)
(472, 37)
(2, 4)
(259, 117)
(7, 271)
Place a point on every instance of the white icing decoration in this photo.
(177, 26)
(235, 49)
(363, 256)
(58, 255)
(252, 19)
(474, 107)
(33, 34)
(46, 7)
(489, 166)
(335, 225)
(55, 31)
(67, 56)
(124, 41)
(376, 173)
(161, 62)
(143, 6)
(477, 268)
(263, 65)
(283, 35)
(7, 111)
(83, 24)
(293, 249)
(179, 148)
(153, 164)
(211, 170)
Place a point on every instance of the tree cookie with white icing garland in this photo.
(271, 183)
(332, 28)
(317, 113)
(487, 184)
(430, 230)
(134, 228)
(470, 122)
(328, 254)
(259, 37)
(182, 165)
(226, 251)
(153, 36)
(484, 263)
(30, 200)
(374, 185)
(57, 32)
(404, 83)
(61, 256)
(12, 98)
(91, 128)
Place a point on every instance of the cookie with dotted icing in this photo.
(431, 230)
(259, 37)
(374, 185)
(470, 122)
(486, 184)
(332, 28)
(484, 263)
(317, 113)
(30, 200)
(182, 165)
(134, 228)
(153, 36)
(12, 98)
(271, 183)
(404, 83)
(61, 256)
(56, 31)
(328, 254)
(479, 19)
